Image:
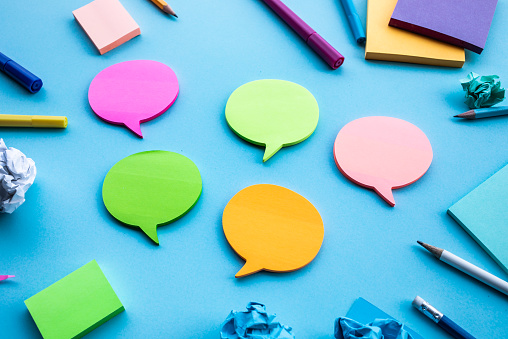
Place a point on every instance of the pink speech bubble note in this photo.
(132, 92)
(382, 153)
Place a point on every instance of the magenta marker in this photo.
(4, 277)
(314, 40)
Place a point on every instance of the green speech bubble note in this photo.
(150, 189)
(272, 113)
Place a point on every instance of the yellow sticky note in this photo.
(393, 44)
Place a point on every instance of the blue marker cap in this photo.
(354, 21)
(28, 80)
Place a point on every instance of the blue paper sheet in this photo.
(364, 312)
(346, 328)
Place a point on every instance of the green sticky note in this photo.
(272, 113)
(150, 189)
(74, 305)
(483, 213)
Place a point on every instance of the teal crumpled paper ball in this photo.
(482, 91)
(346, 328)
(255, 323)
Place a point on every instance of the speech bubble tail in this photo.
(248, 269)
(386, 193)
(151, 232)
(134, 126)
(270, 151)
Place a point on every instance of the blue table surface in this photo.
(186, 287)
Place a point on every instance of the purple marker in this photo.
(314, 40)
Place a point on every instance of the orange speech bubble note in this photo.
(382, 153)
(272, 228)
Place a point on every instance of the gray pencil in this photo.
(483, 113)
(468, 268)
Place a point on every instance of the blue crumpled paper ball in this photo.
(482, 91)
(254, 323)
(346, 328)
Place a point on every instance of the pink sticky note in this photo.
(382, 153)
(132, 92)
(107, 23)
(3, 277)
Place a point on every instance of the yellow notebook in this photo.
(393, 44)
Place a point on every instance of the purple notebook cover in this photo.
(463, 23)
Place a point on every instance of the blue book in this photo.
(364, 312)
(483, 213)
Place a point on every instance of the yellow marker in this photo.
(165, 7)
(272, 228)
(42, 121)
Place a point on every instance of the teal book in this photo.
(483, 213)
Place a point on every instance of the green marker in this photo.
(272, 113)
(150, 189)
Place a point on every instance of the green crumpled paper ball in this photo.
(482, 91)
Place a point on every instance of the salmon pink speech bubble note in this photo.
(132, 92)
(382, 153)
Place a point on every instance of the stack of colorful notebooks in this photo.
(431, 32)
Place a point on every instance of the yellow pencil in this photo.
(165, 7)
(43, 121)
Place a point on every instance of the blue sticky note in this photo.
(483, 213)
(364, 312)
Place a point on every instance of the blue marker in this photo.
(28, 80)
(354, 21)
(441, 320)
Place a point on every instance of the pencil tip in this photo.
(471, 114)
(176, 16)
(432, 249)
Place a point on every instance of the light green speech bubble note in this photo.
(150, 189)
(272, 113)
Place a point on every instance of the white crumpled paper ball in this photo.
(17, 174)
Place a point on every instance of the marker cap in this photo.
(356, 26)
(28, 80)
(325, 50)
(3, 60)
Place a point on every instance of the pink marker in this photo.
(382, 153)
(3, 277)
(314, 40)
(132, 92)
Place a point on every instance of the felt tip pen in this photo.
(314, 40)
(42, 121)
(4, 277)
(28, 80)
(441, 320)
(354, 21)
